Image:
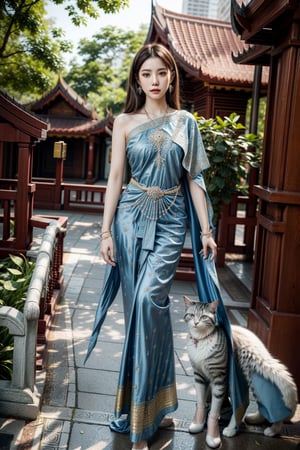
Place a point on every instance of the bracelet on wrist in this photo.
(105, 235)
(206, 234)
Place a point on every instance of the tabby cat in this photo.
(207, 349)
(208, 353)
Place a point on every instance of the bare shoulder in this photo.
(125, 122)
(121, 120)
(120, 128)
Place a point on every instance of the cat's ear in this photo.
(187, 301)
(214, 305)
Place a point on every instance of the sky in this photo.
(138, 12)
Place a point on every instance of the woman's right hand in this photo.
(107, 250)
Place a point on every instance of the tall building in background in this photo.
(202, 8)
(224, 10)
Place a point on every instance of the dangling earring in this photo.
(139, 90)
(171, 88)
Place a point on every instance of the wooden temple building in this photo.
(19, 131)
(87, 137)
(272, 28)
(211, 82)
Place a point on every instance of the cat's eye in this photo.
(189, 316)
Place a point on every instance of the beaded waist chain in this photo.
(154, 192)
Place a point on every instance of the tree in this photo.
(101, 75)
(31, 49)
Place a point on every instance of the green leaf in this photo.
(9, 286)
(218, 159)
(14, 271)
(17, 260)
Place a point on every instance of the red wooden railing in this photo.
(86, 197)
(8, 196)
(235, 230)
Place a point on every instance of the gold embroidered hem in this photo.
(143, 415)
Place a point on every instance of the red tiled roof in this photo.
(82, 125)
(69, 95)
(203, 47)
(78, 127)
(22, 120)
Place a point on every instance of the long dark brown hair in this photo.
(134, 100)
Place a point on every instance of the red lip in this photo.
(155, 90)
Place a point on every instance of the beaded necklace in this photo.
(158, 137)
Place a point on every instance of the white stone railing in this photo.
(19, 397)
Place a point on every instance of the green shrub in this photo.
(6, 354)
(15, 276)
(231, 152)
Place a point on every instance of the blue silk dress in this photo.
(149, 232)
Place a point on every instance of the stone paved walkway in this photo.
(78, 400)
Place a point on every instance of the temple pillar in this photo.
(90, 164)
(275, 305)
(24, 203)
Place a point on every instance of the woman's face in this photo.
(154, 78)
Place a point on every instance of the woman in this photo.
(143, 233)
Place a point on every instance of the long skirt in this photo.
(148, 253)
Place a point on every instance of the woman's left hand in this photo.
(208, 243)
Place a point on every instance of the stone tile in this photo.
(93, 417)
(90, 303)
(180, 288)
(96, 281)
(97, 381)
(96, 402)
(71, 399)
(97, 437)
(183, 365)
(52, 433)
(64, 441)
(86, 296)
(185, 388)
(106, 355)
(180, 340)
(55, 413)
(66, 427)
(112, 328)
(184, 414)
